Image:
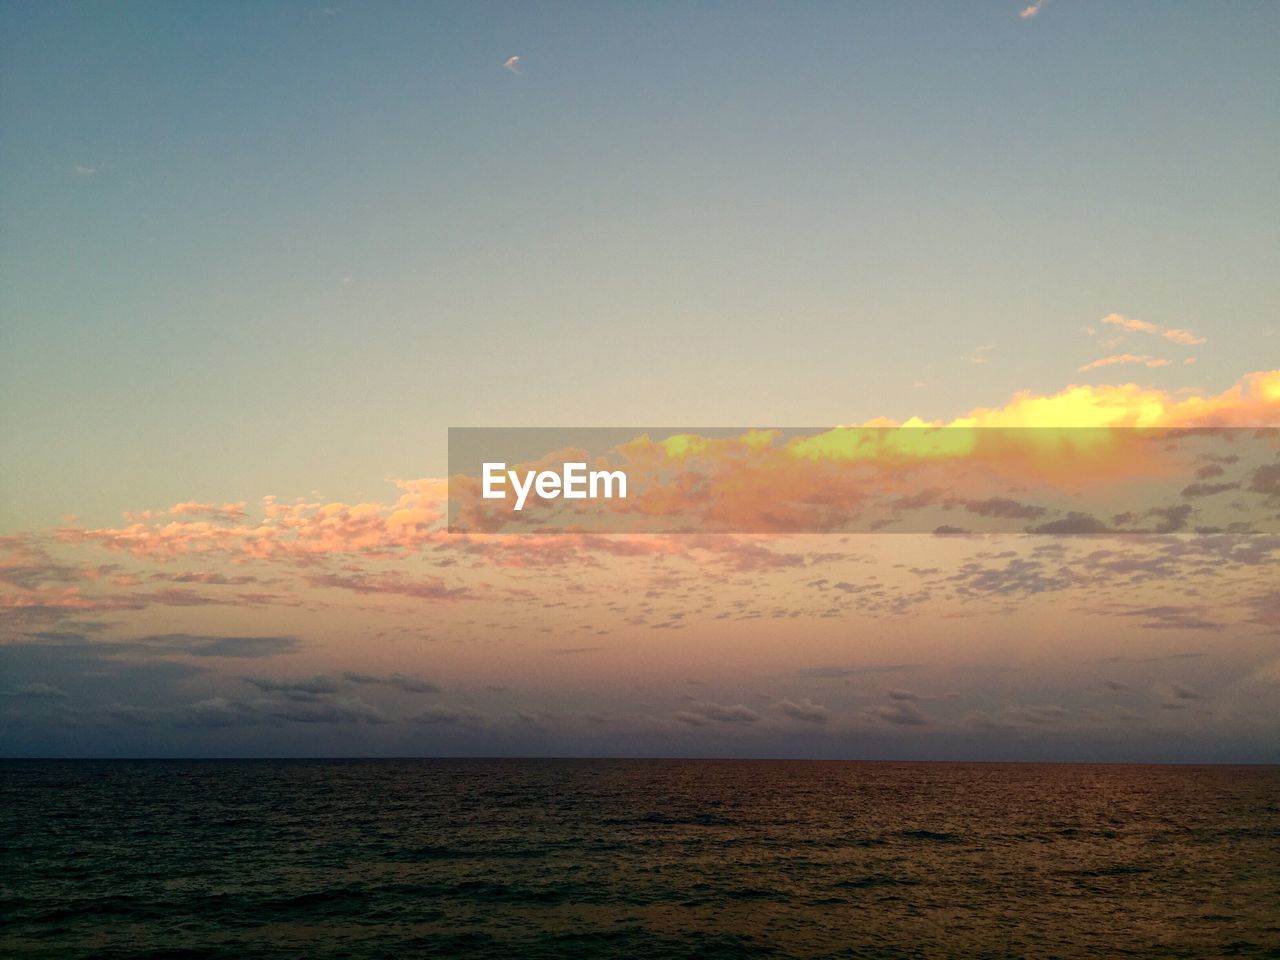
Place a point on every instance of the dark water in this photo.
(531, 859)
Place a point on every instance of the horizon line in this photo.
(636, 759)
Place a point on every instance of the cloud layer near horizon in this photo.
(225, 627)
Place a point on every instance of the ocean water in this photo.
(563, 858)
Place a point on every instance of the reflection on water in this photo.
(529, 859)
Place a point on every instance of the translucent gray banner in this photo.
(864, 480)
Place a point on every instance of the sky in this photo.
(255, 260)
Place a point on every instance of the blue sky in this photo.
(233, 233)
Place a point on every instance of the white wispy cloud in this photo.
(1185, 337)
(1129, 323)
(1144, 359)
(1172, 334)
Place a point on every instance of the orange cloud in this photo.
(1184, 337)
(223, 511)
(1253, 402)
(1129, 323)
(1144, 359)
(1173, 334)
(300, 531)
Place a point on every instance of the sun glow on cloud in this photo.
(1253, 401)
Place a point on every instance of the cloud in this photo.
(1003, 507)
(191, 508)
(305, 689)
(1129, 323)
(1173, 334)
(89, 671)
(399, 681)
(427, 588)
(1169, 519)
(300, 532)
(1193, 490)
(208, 578)
(700, 712)
(804, 710)
(227, 712)
(998, 507)
(1145, 359)
(901, 713)
(1174, 617)
(1018, 576)
(1266, 481)
(1117, 686)
(1253, 401)
(313, 542)
(231, 647)
(1074, 522)
(691, 719)
(321, 685)
(27, 565)
(164, 645)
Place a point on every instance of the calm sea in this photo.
(563, 858)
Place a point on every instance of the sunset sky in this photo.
(255, 260)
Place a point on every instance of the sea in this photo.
(636, 859)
